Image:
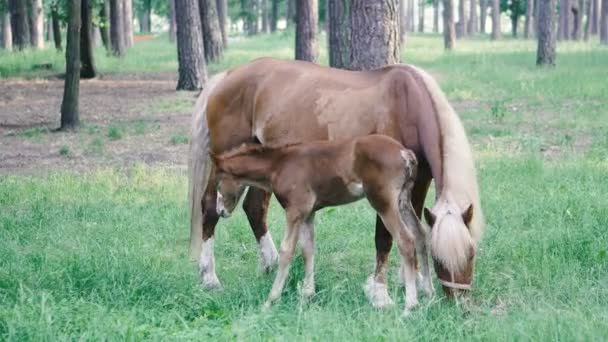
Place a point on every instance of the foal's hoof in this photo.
(377, 294)
(426, 285)
(210, 282)
(266, 306)
(308, 292)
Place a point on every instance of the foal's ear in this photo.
(214, 158)
(429, 217)
(467, 215)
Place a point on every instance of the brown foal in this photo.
(309, 176)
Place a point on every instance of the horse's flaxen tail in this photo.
(199, 165)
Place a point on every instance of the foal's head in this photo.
(452, 246)
(229, 191)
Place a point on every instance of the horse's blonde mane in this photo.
(459, 181)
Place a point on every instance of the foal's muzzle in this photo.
(220, 209)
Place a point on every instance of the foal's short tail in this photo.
(199, 165)
(408, 215)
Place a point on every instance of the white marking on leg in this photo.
(207, 265)
(377, 293)
(411, 296)
(269, 257)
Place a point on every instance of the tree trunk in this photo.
(528, 22)
(461, 29)
(265, 16)
(577, 12)
(128, 22)
(411, 22)
(117, 31)
(374, 34)
(104, 24)
(212, 35)
(37, 28)
(563, 29)
(222, 10)
(71, 90)
(145, 23)
(436, 16)
(588, 22)
(495, 19)
(473, 20)
(56, 28)
(274, 15)
(306, 30)
(604, 23)
(514, 22)
(449, 34)
(87, 67)
(483, 15)
(291, 12)
(7, 34)
(421, 6)
(19, 24)
(338, 14)
(595, 17)
(48, 29)
(545, 53)
(190, 49)
(403, 21)
(172, 25)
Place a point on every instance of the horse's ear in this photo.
(429, 217)
(467, 215)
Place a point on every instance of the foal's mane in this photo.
(248, 149)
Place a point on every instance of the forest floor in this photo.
(94, 224)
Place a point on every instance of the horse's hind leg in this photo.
(207, 258)
(307, 241)
(375, 287)
(255, 206)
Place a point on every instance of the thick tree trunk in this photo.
(104, 24)
(37, 27)
(563, 30)
(19, 24)
(374, 34)
(222, 12)
(528, 22)
(117, 31)
(306, 30)
(449, 34)
(212, 35)
(338, 14)
(421, 6)
(589, 3)
(495, 19)
(403, 21)
(56, 28)
(274, 15)
(190, 49)
(545, 54)
(128, 22)
(483, 15)
(71, 90)
(172, 20)
(7, 33)
(473, 20)
(461, 29)
(87, 67)
(604, 23)
(435, 16)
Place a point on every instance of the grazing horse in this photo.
(310, 176)
(271, 101)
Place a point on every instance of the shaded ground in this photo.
(126, 119)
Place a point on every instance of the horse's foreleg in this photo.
(375, 287)
(255, 206)
(207, 258)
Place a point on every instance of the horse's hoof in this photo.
(210, 282)
(377, 294)
(406, 313)
(308, 292)
(266, 306)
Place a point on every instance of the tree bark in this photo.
(338, 14)
(190, 49)
(172, 20)
(473, 20)
(563, 30)
(19, 24)
(104, 24)
(545, 54)
(604, 23)
(128, 22)
(449, 34)
(274, 15)
(7, 34)
(421, 6)
(56, 28)
(117, 31)
(461, 30)
(588, 22)
(71, 90)
(306, 30)
(403, 21)
(577, 14)
(212, 35)
(291, 12)
(49, 29)
(265, 16)
(483, 15)
(37, 27)
(528, 22)
(87, 67)
(495, 19)
(145, 17)
(411, 22)
(374, 34)
(436, 16)
(595, 17)
(514, 23)
(222, 12)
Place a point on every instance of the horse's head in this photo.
(452, 246)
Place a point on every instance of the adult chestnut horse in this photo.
(277, 101)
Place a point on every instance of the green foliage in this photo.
(178, 139)
(64, 151)
(115, 133)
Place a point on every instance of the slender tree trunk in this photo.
(56, 28)
(222, 10)
(545, 54)
(265, 16)
(588, 21)
(190, 49)
(7, 34)
(461, 29)
(403, 21)
(212, 35)
(514, 23)
(37, 28)
(104, 24)
(291, 12)
(483, 15)
(71, 90)
(19, 24)
(48, 29)
(449, 34)
(421, 6)
(604, 23)
(536, 11)
(128, 22)
(436, 16)
(411, 21)
(338, 14)
(528, 22)
(577, 13)
(473, 20)
(595, 17)
(374, 34)
(172, 20)
(306, 30)
(145, 23)
(87, 67)
(117, 31)
(274, 15)
(495, 19)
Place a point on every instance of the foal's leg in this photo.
(375, 287)
(255, 206)
(307, 241)
(412, 222)
(207, 258)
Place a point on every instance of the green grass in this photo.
(104, 255)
